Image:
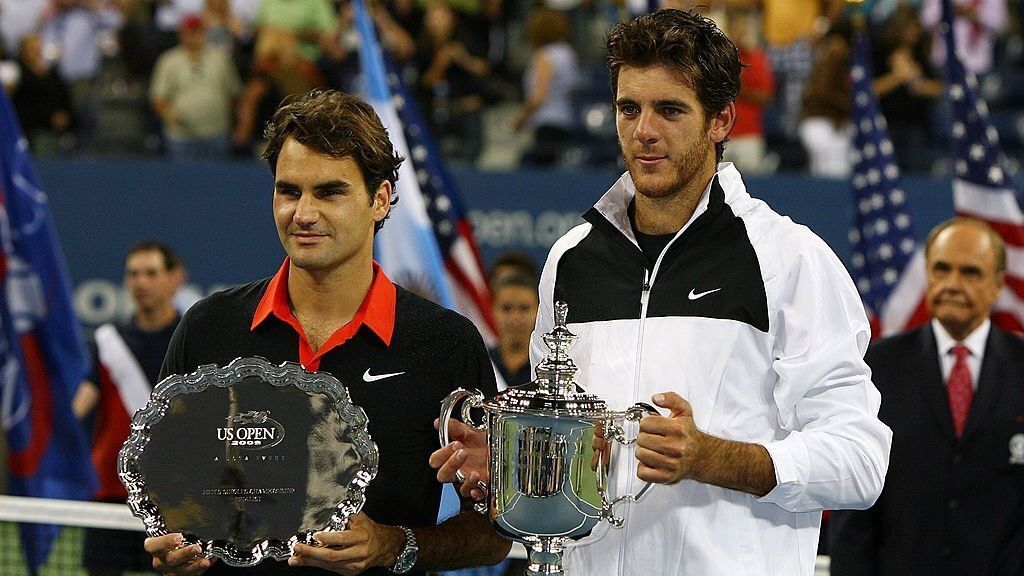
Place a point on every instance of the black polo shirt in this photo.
(426, 350)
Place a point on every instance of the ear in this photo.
(721, 123)
(382, 201)
(179, 276)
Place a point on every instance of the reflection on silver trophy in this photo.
(551, 446)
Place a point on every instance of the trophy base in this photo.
(545, 558)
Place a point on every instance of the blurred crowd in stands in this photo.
(503, 83)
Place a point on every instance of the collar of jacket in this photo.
(611, 212)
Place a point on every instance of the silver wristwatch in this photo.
(407, 557)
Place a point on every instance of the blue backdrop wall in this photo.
(218, 216)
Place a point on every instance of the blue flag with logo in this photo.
(42, 356)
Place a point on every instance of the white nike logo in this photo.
(367, 377)
(694, 295)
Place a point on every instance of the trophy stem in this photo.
(545, 558)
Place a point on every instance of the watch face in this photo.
(406, 560)
(407, 557)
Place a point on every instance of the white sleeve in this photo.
(545, 310)
(546, 292)
(836, 453)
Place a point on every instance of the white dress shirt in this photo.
(975, 342)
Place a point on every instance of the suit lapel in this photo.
(933, 388)
(993, 366)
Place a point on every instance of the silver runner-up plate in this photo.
(248, 460)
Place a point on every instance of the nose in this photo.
(953, 282)
(306, 211)
(646, 131)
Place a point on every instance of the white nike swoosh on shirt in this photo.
(695, 295)
(367, 377)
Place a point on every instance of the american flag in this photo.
(981, 187)
(888, 263)
(428, 244)
(42, 357)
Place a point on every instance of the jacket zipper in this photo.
(645, 296)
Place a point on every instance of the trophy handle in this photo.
(634, 413)
(474, 399)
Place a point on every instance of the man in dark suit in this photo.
(953, 394)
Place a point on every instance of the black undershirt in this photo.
(650, 244)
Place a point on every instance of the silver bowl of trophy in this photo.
(551, 446)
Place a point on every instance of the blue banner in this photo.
(42, 357)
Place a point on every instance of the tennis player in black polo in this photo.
(331, 308)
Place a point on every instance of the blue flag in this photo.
(42, 356)
(405, 247)
(427, 244)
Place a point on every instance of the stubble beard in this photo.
(686, 167)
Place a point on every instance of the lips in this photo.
(307, 237)
(649, 159)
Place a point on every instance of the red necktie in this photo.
(975, 26)
(959, 389)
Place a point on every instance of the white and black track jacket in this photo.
(753, 320)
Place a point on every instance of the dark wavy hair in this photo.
(687, 42)
(341, 126)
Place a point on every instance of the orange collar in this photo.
(377, 312)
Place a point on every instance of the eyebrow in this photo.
(321, 186)
(963, 268)
(657, 103)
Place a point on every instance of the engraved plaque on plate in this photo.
(248, 459)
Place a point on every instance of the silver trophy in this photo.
(551, 445)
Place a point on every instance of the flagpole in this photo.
(858, 14)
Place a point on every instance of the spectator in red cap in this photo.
(193, 90)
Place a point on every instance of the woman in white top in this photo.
(547, 86)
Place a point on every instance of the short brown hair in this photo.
(341, 126)
(519, 264)
(514, 279)
(687, 42)
(170, 257)
(997, 241)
